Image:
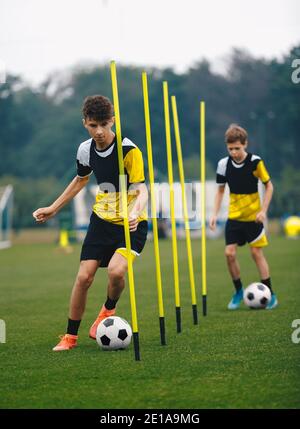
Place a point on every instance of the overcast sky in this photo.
(38, 37)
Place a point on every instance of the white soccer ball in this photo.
(257, 295)
(114, 333)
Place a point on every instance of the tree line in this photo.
(41, 128)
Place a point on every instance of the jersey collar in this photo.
(107, 151)
(240, 164)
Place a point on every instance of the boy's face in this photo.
(237, 151)
(100, 131)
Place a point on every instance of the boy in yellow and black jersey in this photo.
(104, 164)
(104, 244)
(241, 171)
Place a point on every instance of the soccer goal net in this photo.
(6, 208)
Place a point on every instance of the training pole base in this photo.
(195, 314)
(136, 346)
(162, 331)
(178, 319)
(204, 305)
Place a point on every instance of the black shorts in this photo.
(240, 233)
(104, 238)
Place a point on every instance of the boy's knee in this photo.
(230, 253)
(256, 253)
(116, 274)
(85, 279)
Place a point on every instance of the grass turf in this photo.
(237, 359)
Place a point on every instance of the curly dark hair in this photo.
(97, 107)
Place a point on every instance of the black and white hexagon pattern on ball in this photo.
(108, 322)
(105, 340)
(114, 333)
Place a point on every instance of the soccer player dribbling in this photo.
(241, 170)
(104, 244)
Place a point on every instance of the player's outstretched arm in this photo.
(217, 205)
(42, 214)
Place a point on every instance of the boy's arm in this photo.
(262, 214)
(217, 204)
(134, 165)
(139, 205)
(41, 215)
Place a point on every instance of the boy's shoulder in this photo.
(126, 142)
(83, 150)
(255, 157)
(85, 145)
(128, 146)
(255, 160)
(222, 166)
(223, 160)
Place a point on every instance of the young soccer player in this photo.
(104, 244)
(241, 170)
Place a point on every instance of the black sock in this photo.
(110, 304)
(73, 326)
(237, 284)
(268, 283)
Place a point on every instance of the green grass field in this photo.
(241, 359)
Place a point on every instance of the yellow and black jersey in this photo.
(104, 164)
(242, 180)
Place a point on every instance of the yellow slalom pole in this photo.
(203, 207)
(153, 209)
(185, 210)
(172, 205)
(125, 208)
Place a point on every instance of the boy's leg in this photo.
(260, 261)
(257, 240)
(117, 268)
(234, 269)
(263, 269)
(232, 262)
(116, 271)
(84, 279)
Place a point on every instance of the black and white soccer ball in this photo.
(257, 295)
(114, 333)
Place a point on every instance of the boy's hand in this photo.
(133, 221)
(43, 214)
(213, 223)
(261, 217)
